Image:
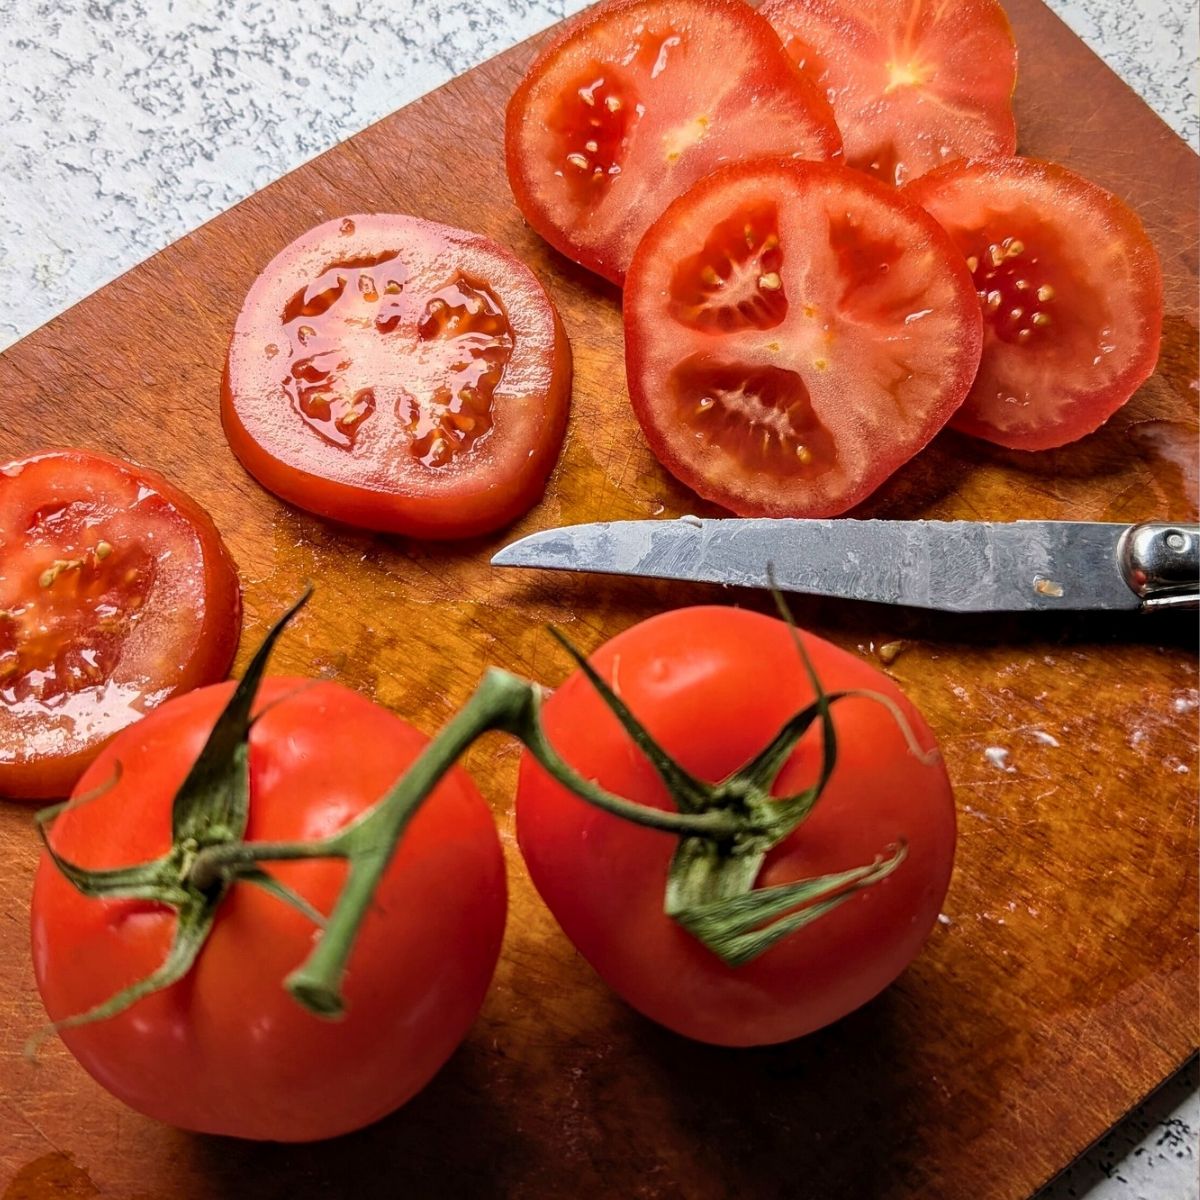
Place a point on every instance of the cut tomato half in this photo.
(116, 593)
(794, 333)
(1071, 291)
(635, 102)
(913, 83)
(399, 375)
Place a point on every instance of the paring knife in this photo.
(953, 566)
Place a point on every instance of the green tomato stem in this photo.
(501, 702)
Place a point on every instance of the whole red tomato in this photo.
(713, 686)
(227, 1050)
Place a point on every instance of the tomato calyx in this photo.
(711, 888)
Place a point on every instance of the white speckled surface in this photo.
(126, 123)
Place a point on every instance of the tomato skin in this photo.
(695, 677)
(855, 358)
(375, 471)
(227, 1050)
(1104, 318)
(60, 504)
(759, 103)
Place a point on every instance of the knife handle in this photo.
(1161, 563)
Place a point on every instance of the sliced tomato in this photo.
(794, 333)
(399, 375)
(913, 83)
(638, 100)
(1071, 291)
(116, 593)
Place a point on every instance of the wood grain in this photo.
(1062, 984)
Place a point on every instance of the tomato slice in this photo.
(116, 593)
(638, 100)
(400, 375)
(794, 333)
(913, 83)
(1071, 291)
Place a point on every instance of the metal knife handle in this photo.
(1161, 563)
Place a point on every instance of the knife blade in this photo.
(952, 566)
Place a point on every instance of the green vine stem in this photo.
(724, 831)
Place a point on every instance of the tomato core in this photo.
(1015, 289)
(67, 637)
(762, 416)
(734, 282)
(343, 361)
(589, 125)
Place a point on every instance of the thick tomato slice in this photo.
(399, 375)
(116, 593)
(256, 1065)
(794, 333)
(1071, 291)
(634, 103)
(694, 677)
(913, 83)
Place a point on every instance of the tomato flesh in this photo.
(400, 375)
(694, 677)
(913, 84)
(794, 333)
(116, 593)
(624, 112)
(1071, 293)
(227, 1050)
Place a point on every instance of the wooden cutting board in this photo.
(1059, 987)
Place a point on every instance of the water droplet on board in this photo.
(998, 757)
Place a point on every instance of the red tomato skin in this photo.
(1091, 394)
(38, 777)
(695, 678)
(226, 1050)
(773, 67)
(472, 497)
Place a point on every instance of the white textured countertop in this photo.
(126, 123)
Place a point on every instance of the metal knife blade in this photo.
(954, 566)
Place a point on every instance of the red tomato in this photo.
(694, 677)
(399, 375)
(913, 84)
(116, 593)
(227, 1050)
(1071, 291)
(634, 103)
(794, 333)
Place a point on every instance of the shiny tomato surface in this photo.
(713, 686)
(227, 1050)
(1071, 292)
(794, 333)
(399, 375)
(638, 99)
(116, 593)
(913, 83)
